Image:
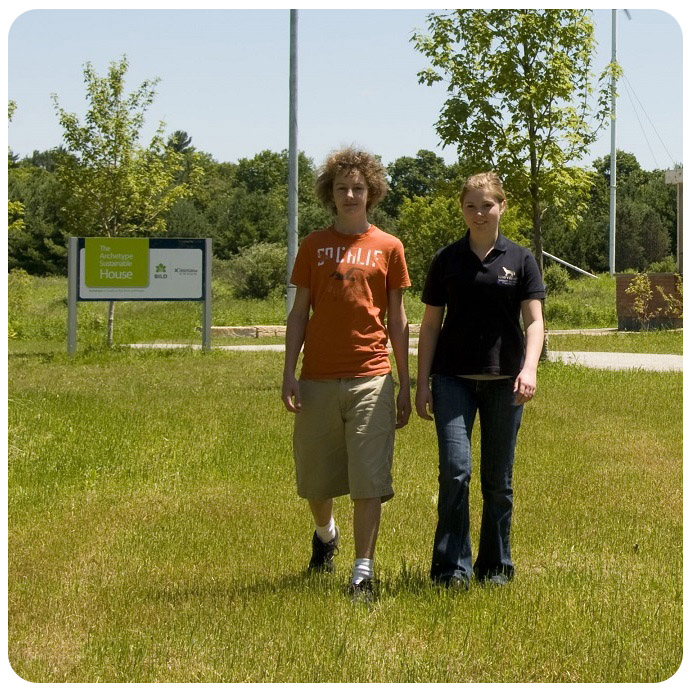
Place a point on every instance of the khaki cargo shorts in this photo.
(343, 438)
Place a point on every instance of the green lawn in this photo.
(38, 317)
(155, 534)
(38, 311)
(621, 342)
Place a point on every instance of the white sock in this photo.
(362, 569)
(327, 532)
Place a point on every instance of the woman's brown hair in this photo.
(489, 181)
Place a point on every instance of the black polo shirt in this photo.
(481, 332)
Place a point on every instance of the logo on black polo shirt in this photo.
(508, 279)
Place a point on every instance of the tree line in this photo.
(521, 100)
(244, 203)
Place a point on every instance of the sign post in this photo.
(206, 318)
(72, 295)
(138, 269)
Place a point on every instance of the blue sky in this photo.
(224, 78)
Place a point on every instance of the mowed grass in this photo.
(155, 534)
(661, 342)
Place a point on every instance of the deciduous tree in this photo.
(411, 177)
(521, 99)
(117, 186)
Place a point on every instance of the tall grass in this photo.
(587, 303)
(38, 312)
(155, 534)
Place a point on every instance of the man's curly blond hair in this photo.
(347, 161)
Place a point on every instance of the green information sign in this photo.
(116, 262)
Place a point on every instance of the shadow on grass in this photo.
(89, 353)
(31, 356)
(229, 590)
(405, 582)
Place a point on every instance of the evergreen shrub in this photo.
(556, 279)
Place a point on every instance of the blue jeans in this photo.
(456, 403)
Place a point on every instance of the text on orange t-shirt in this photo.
(348, 277)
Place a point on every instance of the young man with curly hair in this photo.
(351, 277)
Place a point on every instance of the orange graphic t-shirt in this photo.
(348, 277)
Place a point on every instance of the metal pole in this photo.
(680, 228)
(613, 155)
(206, 318)
(72, 288)
(292, 161)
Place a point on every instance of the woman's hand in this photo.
(525, 385)
(423, 401)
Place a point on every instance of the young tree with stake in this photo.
(117, 187)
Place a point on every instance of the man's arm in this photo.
(295, 337)
(427, 344)
(526, 381)
(397, 324)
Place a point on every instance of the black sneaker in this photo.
(497, 579)
(456, 583)
(497, 576)
(323, 554)
(363, 591)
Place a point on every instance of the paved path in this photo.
(619, 361)
(615, 361)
